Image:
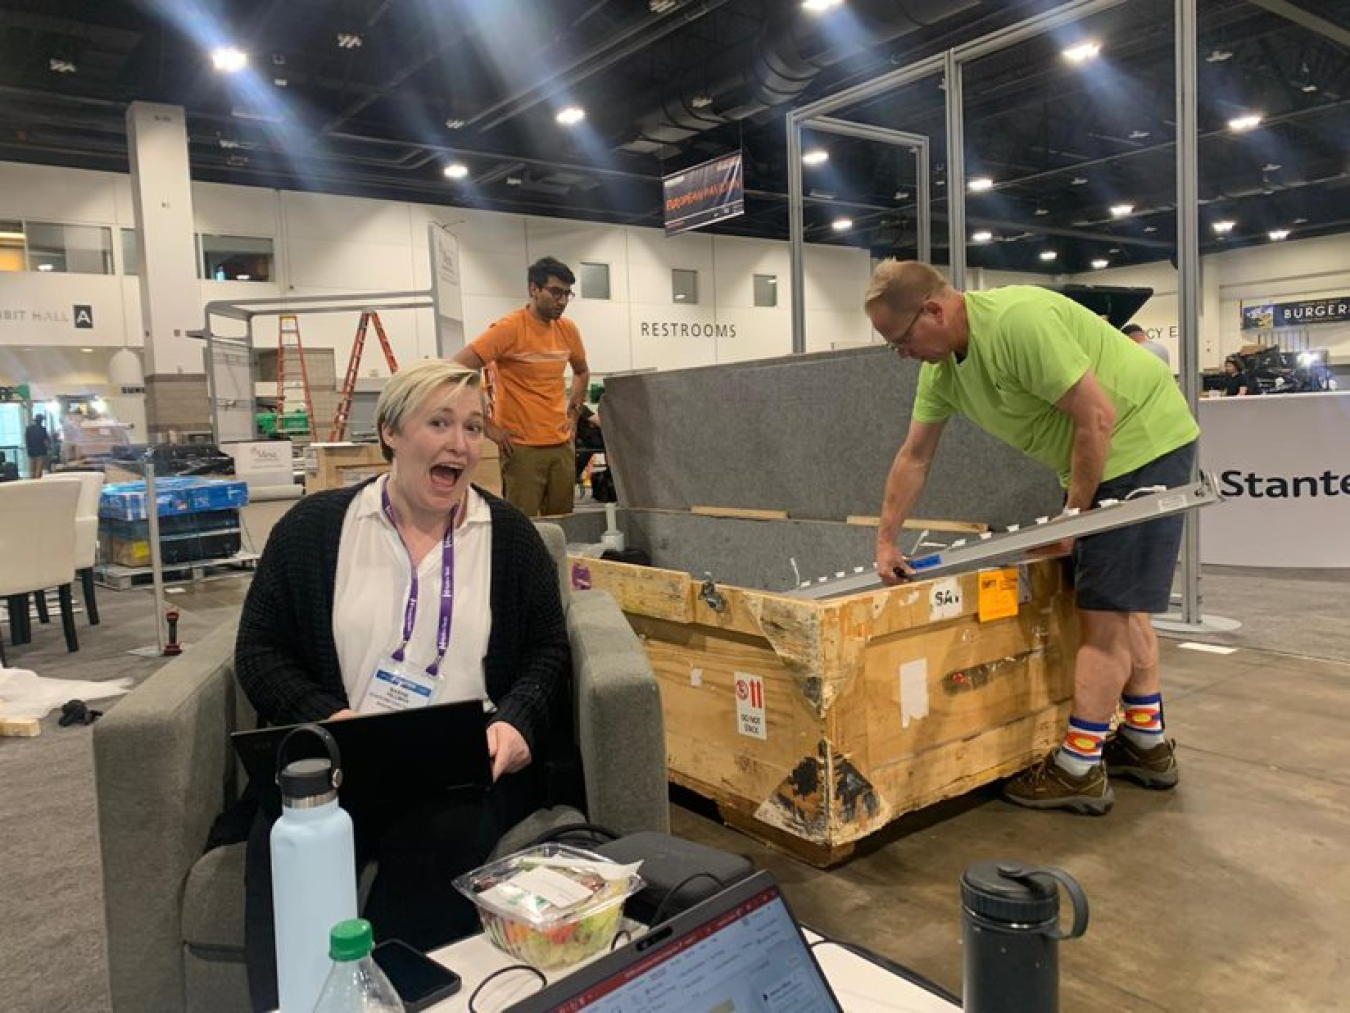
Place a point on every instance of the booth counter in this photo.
(1283, 465)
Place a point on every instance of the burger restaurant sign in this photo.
(1270, 315)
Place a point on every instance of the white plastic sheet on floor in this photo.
(25, 694)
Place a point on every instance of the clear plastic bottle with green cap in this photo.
(355, 984)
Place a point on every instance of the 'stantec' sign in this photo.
(1266, 316)
(704, 193)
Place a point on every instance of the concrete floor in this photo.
(1227, 894)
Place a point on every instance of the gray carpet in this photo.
(52, 954)
(1302, 612)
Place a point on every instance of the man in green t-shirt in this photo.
(1048, 377)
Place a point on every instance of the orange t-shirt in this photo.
(529, 358)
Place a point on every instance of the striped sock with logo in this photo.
(1143, 723)
(1082, 746)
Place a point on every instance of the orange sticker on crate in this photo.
(998, 594)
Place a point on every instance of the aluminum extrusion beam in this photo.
(956, 172)
(964, 554)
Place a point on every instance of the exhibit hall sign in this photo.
(80, 316)
(703, 194)
(1267, 316)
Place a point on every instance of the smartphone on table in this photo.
(419, 981)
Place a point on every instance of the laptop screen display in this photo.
(750, 959)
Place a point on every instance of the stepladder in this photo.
(292, 373)
(338, 430)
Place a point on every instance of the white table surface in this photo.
(860, 985)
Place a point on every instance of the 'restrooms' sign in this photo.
(703, 194)
(1269, 315)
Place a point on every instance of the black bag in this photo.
(602, 487)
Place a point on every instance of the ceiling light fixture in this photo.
(841, 224)
(87, 351)
(57, 66)
(1272, 167)
(1138, 135)
(228, 60)
(983, 236)
(456, 170)
(660, 6)
(571, 116)
(1222, 228)
(1218, 55)
(1245, 122)
(349, 40)
(1150, 228)
(1100, 263)
(1048, 255)
(1078, 181)
(700, 101)
(901, 195)
(1121, 210)
(514, 181)
(45, 267)
(454, 124)
(1307, 88)
(820, 6)
(1277, 234)
(280, 82)
(979, 184)
(816, 156)
(1082, 52)
(1300, 221)
(1042, 211)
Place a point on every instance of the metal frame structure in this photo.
(224, 350)
(950, 64)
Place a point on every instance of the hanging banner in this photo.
(1267, 316)
(447, 297)
(704, 193)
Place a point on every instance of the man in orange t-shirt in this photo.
(533, 414)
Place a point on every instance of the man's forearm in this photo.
(903, 486)
(578, 395)
(1091, 447)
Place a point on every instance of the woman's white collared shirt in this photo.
(372, 589)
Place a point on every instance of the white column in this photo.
(161, 189)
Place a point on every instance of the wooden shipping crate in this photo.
(813, 724)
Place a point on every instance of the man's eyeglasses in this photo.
(561, 294)
(901, 343)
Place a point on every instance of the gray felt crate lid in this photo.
(813, 435)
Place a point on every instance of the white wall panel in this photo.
(350, 267)
(223, 210)
(347, 220)
(43, 193)
(501, 274)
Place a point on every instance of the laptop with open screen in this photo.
(399, 753)
(739, 951)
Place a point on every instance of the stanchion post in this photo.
(156, 566)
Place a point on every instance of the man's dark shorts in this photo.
(1130, 569)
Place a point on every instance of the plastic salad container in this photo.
(551, 905)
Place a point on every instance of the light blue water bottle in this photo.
(313, 870)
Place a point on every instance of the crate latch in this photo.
(714, 598)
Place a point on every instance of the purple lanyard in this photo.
(447, 590)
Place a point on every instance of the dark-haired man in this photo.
(533, 413)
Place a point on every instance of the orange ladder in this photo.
(344, 409)
(290, 349)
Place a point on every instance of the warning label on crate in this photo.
(944, 600)
(999, 593)
(750, 706)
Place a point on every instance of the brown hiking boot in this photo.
(1047, 785)
(1152, 768)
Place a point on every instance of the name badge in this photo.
(393, 688)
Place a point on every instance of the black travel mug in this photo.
(1010, 928)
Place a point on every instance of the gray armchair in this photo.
(164, 768)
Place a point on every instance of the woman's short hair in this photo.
(903, 285)
(410, 386)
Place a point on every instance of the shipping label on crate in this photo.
(944, 600)
(1000, 591)
(913, 691)
(750, 705)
